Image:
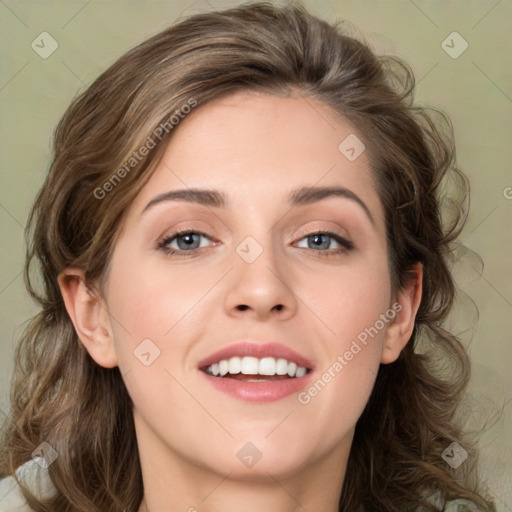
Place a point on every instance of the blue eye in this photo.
(187, 242)
(322, 240)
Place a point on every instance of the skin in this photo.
(255, 148)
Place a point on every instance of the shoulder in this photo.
(461, 505)
(456, 505)
(11, 498)
(34, 475)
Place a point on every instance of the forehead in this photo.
(256, 147)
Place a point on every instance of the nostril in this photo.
(243, 307)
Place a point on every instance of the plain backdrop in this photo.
(474, 88)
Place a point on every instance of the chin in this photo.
(261, 457)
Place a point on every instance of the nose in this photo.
(261, 289)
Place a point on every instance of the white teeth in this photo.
(267, 366)
(281, 367)
(235, 365)
(254, 366)
(223, 367)
(249, 366)
(301, 371)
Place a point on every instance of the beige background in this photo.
(475, 89)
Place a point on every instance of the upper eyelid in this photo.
(165, 239)
(327, 231)
(302, 234)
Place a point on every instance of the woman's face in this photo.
(260, 281)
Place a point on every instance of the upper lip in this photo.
(259, 350)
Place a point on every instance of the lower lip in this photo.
(270, 391)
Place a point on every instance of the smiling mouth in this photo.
(254, 369)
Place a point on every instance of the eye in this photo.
(189, 242)
(323, 240)
(184, 242)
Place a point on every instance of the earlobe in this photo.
(400, 330)
(89, 316)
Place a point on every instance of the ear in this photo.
(89, 316)
(406, 305)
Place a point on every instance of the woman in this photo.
(242, 251)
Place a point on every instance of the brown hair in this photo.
(59, 395)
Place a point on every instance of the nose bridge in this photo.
(259, 278)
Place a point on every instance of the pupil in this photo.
(188, 239)
(318, 239)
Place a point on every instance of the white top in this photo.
(34, 475)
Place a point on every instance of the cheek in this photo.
(152, 298)
(349, 299)
(352, 303)
(155, 316)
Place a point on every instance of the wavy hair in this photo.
(61, 396)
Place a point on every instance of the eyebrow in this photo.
(298, 197)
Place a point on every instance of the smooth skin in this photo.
(254, 148)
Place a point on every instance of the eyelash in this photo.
(345, 244)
